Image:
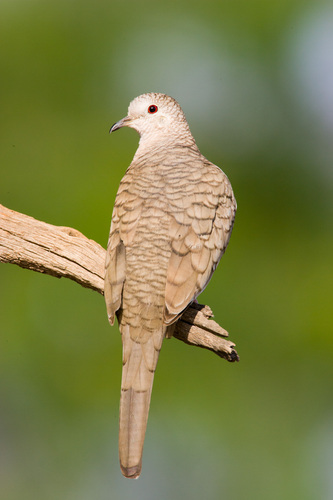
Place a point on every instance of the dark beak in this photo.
(122, 123)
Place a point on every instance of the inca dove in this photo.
(171, 223)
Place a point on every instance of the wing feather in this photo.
(125, 216)
(199, 235)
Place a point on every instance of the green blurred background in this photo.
(255, 80)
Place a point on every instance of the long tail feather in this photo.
(139, 362)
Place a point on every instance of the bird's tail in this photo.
(140, 355)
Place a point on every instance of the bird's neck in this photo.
(165, 141)
(147, 157)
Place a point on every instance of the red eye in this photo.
(152, 109)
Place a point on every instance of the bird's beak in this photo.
(124, 122)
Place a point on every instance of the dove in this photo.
(171, 223)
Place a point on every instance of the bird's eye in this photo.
(152, 109)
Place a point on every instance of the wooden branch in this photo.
(65, 252)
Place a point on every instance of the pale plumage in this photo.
(171, 223)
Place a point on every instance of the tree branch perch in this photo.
(65, 252)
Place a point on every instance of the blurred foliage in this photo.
(251, 78)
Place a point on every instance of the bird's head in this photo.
(156, 117)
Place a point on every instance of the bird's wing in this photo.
(115, 268)
(125, 216)
(201, 225)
